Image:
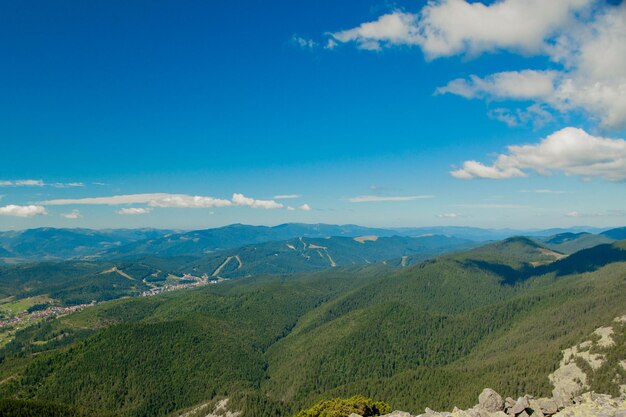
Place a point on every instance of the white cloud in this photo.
(451, 27)
(571, 151)
(303, 42)
(330, 44)
(22, 211)
(74, 214)
(287, 196)
(535, 114)
(303, 207)
(152, 199)
(21, 183)
(66, 184)
(396, 28)
(609, 213)
(133, 211)
(38, 183)
(494, 206)
(515, 85)
(242, 200)
(169, 200)
(593, 53)
(449, 216)
(376, 198)
(543, 191)
(188, 201)
(587, 38)
(112, 200)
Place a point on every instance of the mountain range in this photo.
(62, 244)
(276, 340)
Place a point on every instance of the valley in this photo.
(293, 322)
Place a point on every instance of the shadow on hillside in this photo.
(587, 260)
(509, 275)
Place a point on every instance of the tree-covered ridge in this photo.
(430, 335)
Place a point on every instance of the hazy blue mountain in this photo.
(615, 234)
(51, 243)
(482, 235)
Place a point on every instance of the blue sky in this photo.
(369, 112)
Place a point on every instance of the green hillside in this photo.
(310, 254)
(432, 335)
(569, 243)
(49, 243)
(201, 242)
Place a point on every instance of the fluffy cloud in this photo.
(133, 211)
(22, 211)
(303, 207)
(571, 151)
(112, 200)
(377, 198)
(242, 200)
(593, 55)
(515, 85)
(188, 201)
(451, 27)
(169, 200)
(74, 214)
(587, 38)
(391, 29)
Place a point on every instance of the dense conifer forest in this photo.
(429, 335)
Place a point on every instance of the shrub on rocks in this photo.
(340, 407)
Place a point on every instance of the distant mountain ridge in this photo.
(308, 254)
(62, 244)
(48, 243)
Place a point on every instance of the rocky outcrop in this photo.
(570, 379)
(491, 404)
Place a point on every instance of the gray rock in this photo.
(397, 413)
(548, 406)
(521, 405)
(491, 400)
(534, 405)
(355, 415)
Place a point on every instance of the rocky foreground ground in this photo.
(491, 404)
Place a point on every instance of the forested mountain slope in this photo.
(309, 254)
(201, 242)
(55, 244)
(429, 335)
